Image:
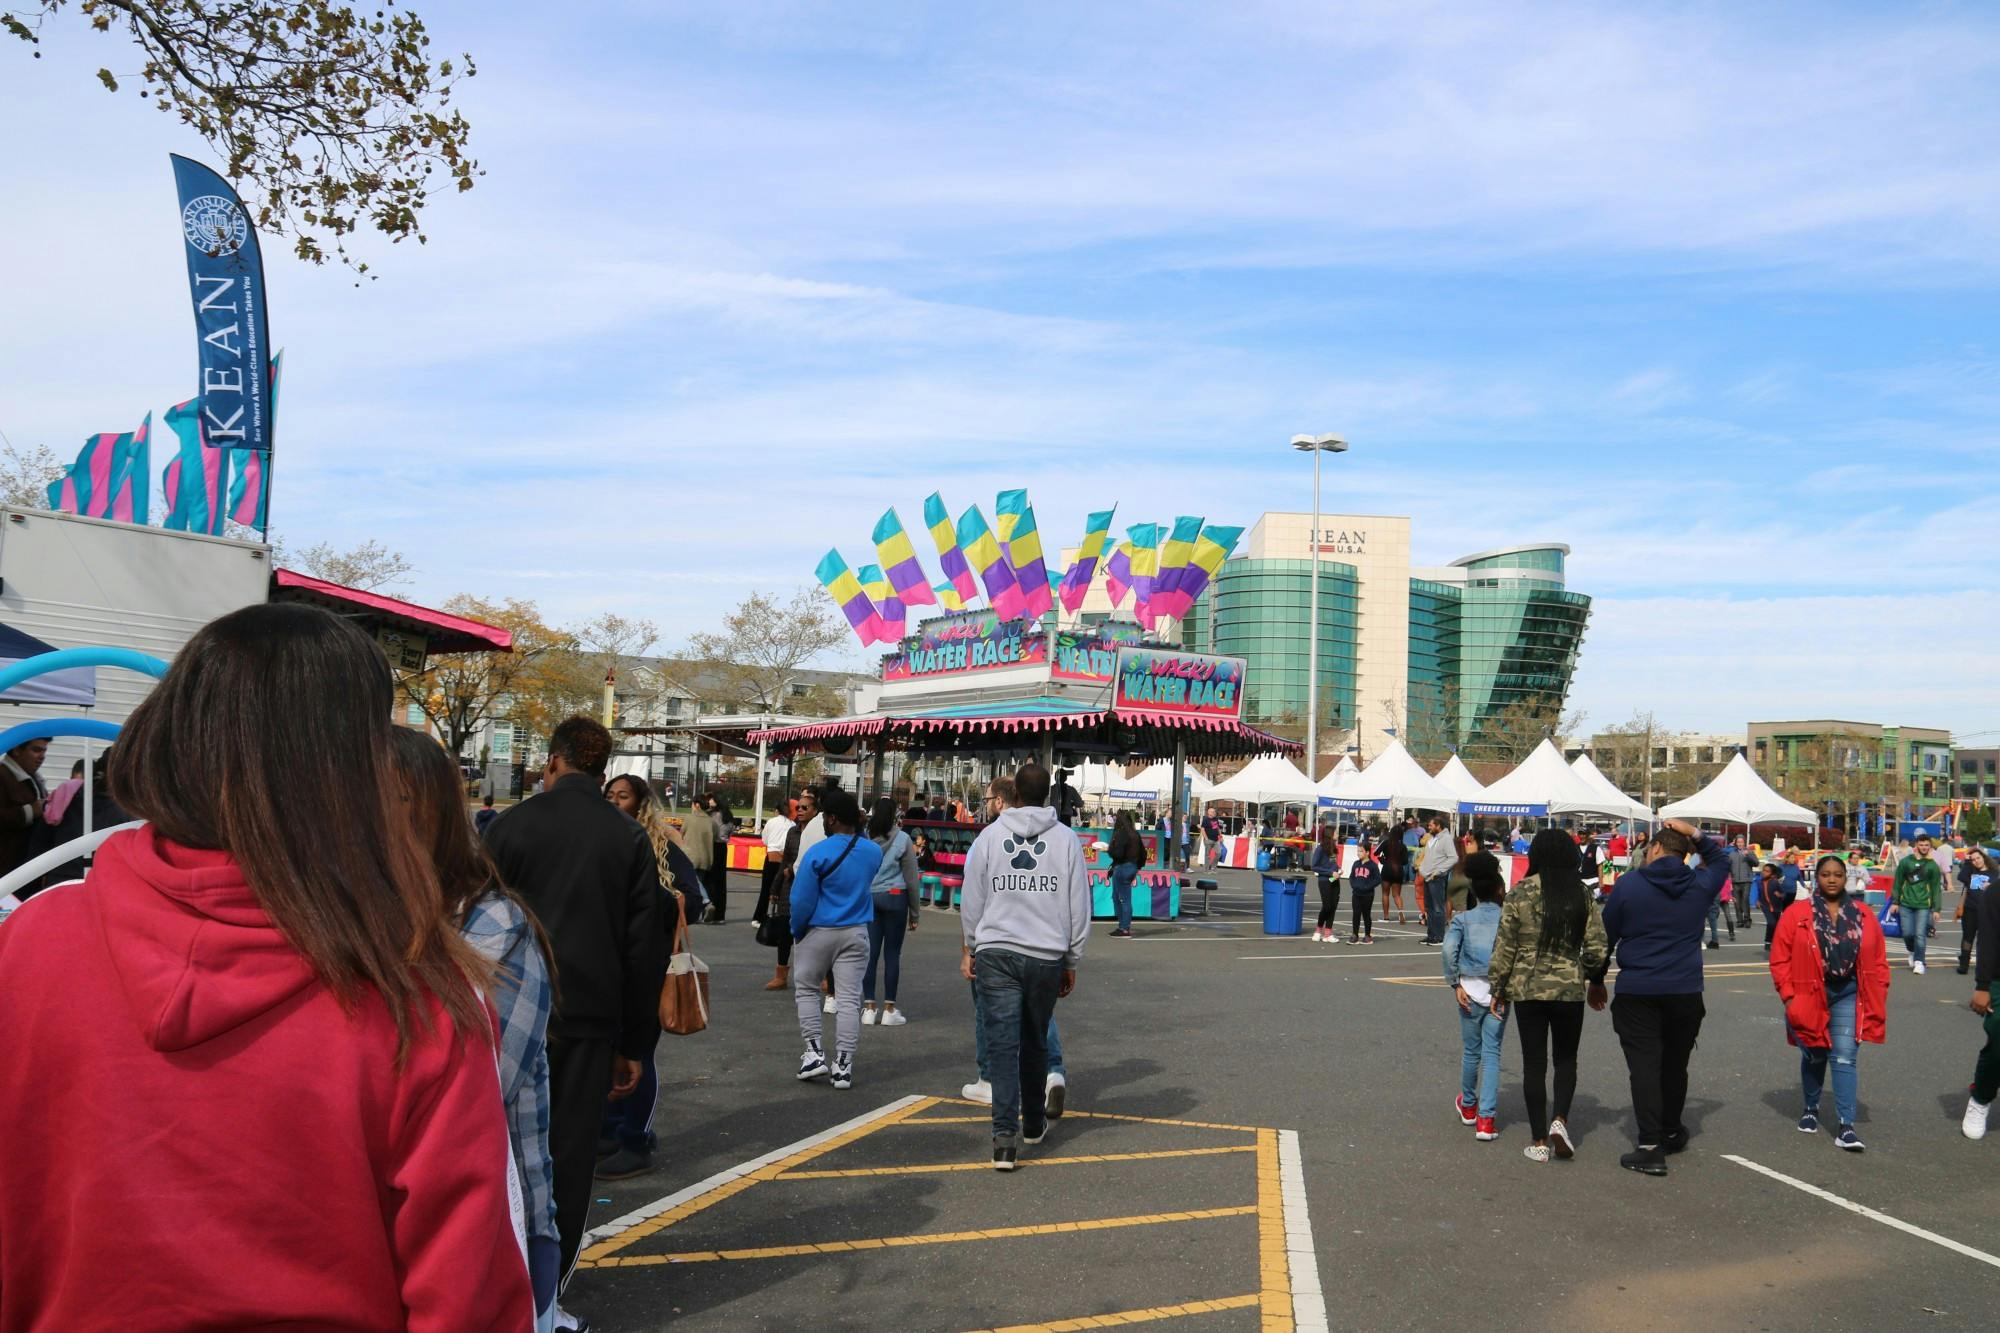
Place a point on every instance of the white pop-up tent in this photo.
(1738, 796)
(1543, 785)
(1457, 779)
(1267, 780)
(1394, 779)
(1155, 781)
(1592, 774)
(1337, 776)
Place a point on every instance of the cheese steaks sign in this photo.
(1166, 680)
(961, 644)
(226, 280)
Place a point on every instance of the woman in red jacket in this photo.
(261, 989)
(1831, 968)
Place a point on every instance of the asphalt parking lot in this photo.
(1269, 1142)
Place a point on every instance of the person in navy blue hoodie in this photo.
(1653, 923)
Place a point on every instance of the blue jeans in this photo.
(1434, 899)
(1812, 1063)
(630, 1119)
(885, 945)
(1916, 927)
(1122, 875)
(1056, 1065)
(1719, 911)
(1020, 998)
(1479, 1071)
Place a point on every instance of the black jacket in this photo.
(1127, 848)
(588, 872)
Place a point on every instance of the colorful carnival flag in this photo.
(1118, 574)
(948, 597)
(888, 607)
(1210, 551)
(195, 484)
(1075, 584)
(1174, 555)
(899, 559)
(131, 485)
(1023, 544)
(1145, 570)
(101, 484)
(983, 554)
(845, 589)
(951, 557)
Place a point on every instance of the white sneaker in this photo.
(868, 1015)
(1974, 1124)
(1054, 1092)
(1918, 967)
(981, 1092)
(830, 1005)
(565, 1322)
(893, 1018)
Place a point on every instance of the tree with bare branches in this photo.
(762, 646)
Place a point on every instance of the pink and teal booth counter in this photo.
(1156, 894)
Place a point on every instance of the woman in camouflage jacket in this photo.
(1551, 942)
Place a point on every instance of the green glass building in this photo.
(1257, 610)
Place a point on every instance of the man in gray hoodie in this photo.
(1026, 917)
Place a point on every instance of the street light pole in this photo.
(1314, 445)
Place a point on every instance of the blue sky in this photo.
(1706, 292)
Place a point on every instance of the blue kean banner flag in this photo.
(226, 282)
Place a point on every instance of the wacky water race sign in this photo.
(958, 645)
(1167, 680)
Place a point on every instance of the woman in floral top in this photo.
(1831, 967)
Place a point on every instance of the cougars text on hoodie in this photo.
(1027, 888)
(266, 1162)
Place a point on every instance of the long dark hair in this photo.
(443, 827)
(1483, 869)
(269, 740)
(1554, 861)
(882, 818)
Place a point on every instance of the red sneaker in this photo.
(1487, 1131)
(1466, 1111)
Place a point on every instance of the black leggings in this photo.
(1535, 1020)
(1329, 900)
(1364, 914)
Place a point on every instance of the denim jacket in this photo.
(1468, 942)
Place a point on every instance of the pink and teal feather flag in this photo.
(103, 482)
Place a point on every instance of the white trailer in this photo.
(85, 582)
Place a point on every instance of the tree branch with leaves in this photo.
(763, 645)
(328, 119)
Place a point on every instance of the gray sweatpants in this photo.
(843, 953)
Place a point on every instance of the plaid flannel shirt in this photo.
(522, 998)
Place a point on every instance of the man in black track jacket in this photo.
(588, 872)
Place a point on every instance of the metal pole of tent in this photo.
(875, 773)
(89, 790)
(757, 801)
(1180, 813)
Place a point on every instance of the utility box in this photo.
(85, 582)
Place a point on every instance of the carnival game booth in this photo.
(1006, 691)
(1266, 780)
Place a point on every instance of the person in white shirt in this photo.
(776, 829)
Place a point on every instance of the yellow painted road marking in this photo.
(1272, 1262)
(941, 1238)
(1130, 1316)
(1135, 1119)
(946, 1120)
(1026, 1161)
(601, 1253)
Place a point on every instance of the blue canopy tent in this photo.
(75, 687)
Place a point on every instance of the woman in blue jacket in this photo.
(1468, 950)
(831, 911)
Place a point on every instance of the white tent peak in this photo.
(1545, 779)
(1457, 779)
(1738, 796)
(1264, 780)
(1586, 769)
(1400, 780)
(1339, 774)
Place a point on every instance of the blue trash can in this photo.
(1263, 858)
(1284, 905)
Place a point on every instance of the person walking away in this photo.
(1742, 874)
(588, 873)
(497, 925)
(776, 831)
(625, 1135)
(1919, 889)
(1722, 911)
(1652, 925)
(999, 795)
(1975, 877)
(22, 794)
(1128, 855)
(1772, 898)
(1986, 1072)
(1551, 940)
(1362, 879)
(1395, 859)
(1468, 951)
(1830, 964)
(487, 814)
(717, 882)
(778, 912)
(698, 840)
(893, 894)
(1026, 920)
(830, 909)
(1326, 864)
(1434, 866)
(265, 983)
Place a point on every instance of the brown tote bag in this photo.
(684, 997)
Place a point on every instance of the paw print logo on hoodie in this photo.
(1021, 854)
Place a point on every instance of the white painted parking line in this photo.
(1308, 1301)
(1361, 954)
(721, 1178)
(1871, 1214)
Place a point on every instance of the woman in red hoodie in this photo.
(261, 989)
(1831, 967)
